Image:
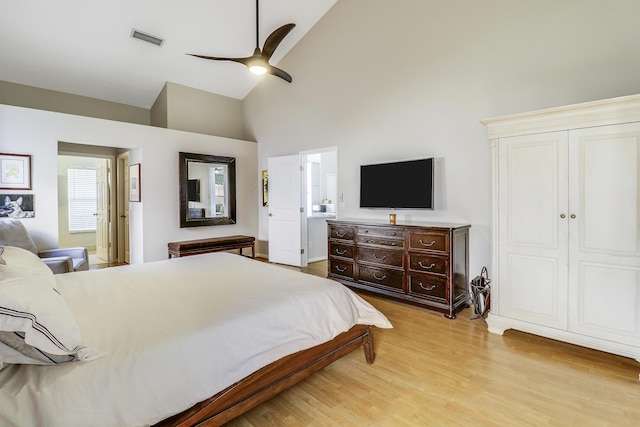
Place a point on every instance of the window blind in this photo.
(82, 199)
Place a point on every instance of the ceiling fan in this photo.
(258, 63)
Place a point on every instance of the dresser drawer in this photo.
(340, 249)
(428, 263)
(341, 268)
(427, 285)
(381, 276)
(380, 241)
(382, 256)
(381, 232)
(341, 232)
(430, 241)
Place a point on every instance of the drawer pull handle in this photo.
(341, 233)
(427, 244)
(430, 288)
(341, 270)
(393, 244)
(339, 252)
(381, 259)
(384, 276)
(426, 267)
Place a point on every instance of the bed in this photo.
(184, 341)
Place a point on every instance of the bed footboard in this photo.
(272, 379)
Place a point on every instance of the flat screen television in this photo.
(193, 190)
(398, 185)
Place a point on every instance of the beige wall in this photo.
(184, 108)
(50, 100)
(65, 238)
(177, 107)
(159, 112)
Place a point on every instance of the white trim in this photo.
(589, 114)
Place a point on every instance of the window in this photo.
(82, 199)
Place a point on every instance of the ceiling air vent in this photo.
(146, 37)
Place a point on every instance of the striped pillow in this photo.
(36, 324)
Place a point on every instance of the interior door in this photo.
(285, 210)
(533, 230)
(123, 209)
(102, 210)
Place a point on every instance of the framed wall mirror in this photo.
(207, 190)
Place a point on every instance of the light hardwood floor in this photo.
(431, 371)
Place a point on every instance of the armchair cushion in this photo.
(59, 264)
(79, 257)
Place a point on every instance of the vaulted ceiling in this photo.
(85, 47)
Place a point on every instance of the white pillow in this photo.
(28, 263)
(36, 323)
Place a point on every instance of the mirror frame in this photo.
(185, 159)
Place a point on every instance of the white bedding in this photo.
(174, 333)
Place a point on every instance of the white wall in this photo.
(393, 80)
(154, 221)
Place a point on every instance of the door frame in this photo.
(112, 191)
(81, 150)
(122, 206)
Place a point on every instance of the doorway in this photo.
(92, 200)
(302, 196)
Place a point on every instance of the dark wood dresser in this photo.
(419, 263)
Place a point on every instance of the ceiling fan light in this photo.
(258, 69)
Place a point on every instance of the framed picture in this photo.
(16, 206)
(15, 171)
(265, 188)
(134, 183)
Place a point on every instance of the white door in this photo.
(123, 208)
(533, 230)
(102, 210)
(604, 272)
(285, 210)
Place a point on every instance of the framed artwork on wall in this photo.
(134, 183)
(265, 188)
(15, 171)
(16, 206)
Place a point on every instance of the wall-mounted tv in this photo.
(398, 185)
(193, 190)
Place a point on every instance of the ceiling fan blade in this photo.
(218, 58)
(279, 73)
(275, 39)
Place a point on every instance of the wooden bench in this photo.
(213, 244)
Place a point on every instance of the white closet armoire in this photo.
(566, 225)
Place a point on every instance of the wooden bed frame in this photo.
(272, 379)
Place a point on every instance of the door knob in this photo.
(270, 214)
(563, 216)
(573, 216)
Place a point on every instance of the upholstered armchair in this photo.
(14, 233)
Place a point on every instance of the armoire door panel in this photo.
(532, 169)
(532, 234)
(604, 255)
(605, 183)
(533, 293)
(608, 302)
